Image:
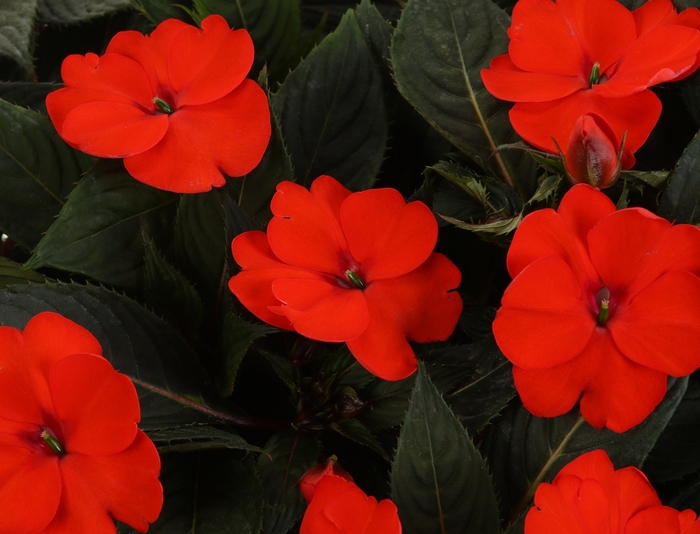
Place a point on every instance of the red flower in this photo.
(355, 267)
(589, 497)
(576, 57)
(593, 154)
(663, 520)
(71, 456)
(340, 507)
(604, 305)
(175, 105)
(307, 484)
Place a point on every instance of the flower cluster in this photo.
(69, 437)
(572, 58)
(174, 104)
(350, 267)
(588, 496)
(604, 305)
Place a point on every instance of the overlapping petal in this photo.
(658, 519)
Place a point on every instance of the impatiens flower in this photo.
(589, 496)
(593, 154)
(307, 484)
(350, 267)
(340, 507)
(603, 306)
(576, 57)
(174, 104)
(72, 459)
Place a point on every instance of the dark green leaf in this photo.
(274, 25)
(677, 452)
(439, 481)
(27, 94)
(332, 113)
(74, 11)
(213, 492)
(524, 450)
(17, 31)
(376, 30)
(438, 50)
(687, 497)
(37, 172)
(173, 388)
(386, 402)
(652, 178)
(293, 453)
(156, 11)
(236, 339)
(98, 231)
(679, 202)
(12, 273)
(354, 429)
(169, 292)
(285, 370)
(197, 437)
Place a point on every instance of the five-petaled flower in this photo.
(588, 496)
(350, 267)
(174, 104)
(603, 306)
(338, 506)
(575, 57)
(72, 458)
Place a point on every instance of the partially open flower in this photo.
(313, 476)
(593, 155)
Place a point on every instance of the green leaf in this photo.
(197, 437)
(376, 30)
(332, 112)
(292, 454)
(439, 481)
(386, 402)
(285, 370)
(438, 51)
(356, 431)
(12, 273)
(216, 492)
(17, 31)
(524, 450)
(677, 452)
(98, 231)
(37, 172)
(652, 178)
(74, 11)
(156, 11)
(680, 201)
(169, 292)
(274, 25)
(173, 387)
(28, 94)
(237, 338)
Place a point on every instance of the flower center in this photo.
(603, 300)
(48, 436)
(356, 280)
(594, 78)
(163, 106)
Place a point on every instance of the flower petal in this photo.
(386, 236)
(653, 13)
(506, 81)
(658, 519)
(18, 390)
(228, 136)
(305, 230)
(539, 122)
(385, 519)
(253, 285)
(320, 310)
(635, 493)
(660, 55)
(113, 129)
(660, 327)
(418, 306)
(544, 319)
(98, 406)
(205, 65)
(122, 486)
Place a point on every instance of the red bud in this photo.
(308, 482)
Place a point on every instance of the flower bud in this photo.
(308, 482)
(593, 155)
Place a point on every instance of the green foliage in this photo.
(17, 31)
(39, 170)
(30, 95)
(102, 220)
(439, 481)
(438, 49)
(331, 110)
(75, 11)
(12, 273)
(197, 437)
(156, 11)
(680, 201)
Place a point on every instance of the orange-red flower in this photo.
(575, 57)
(71, 456)
(174, 104)
(603, 306)
(340, 507)
(589, 496)
(350, 267)
(307, 484)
